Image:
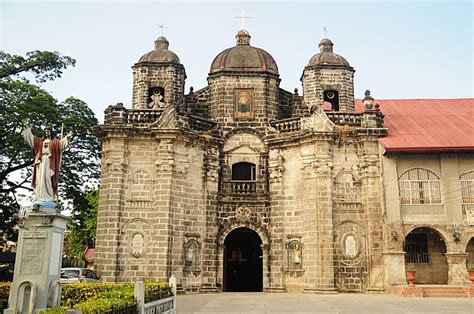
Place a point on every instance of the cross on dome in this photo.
(243, 17)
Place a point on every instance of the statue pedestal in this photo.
(38, 262)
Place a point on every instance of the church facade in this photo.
(244, 186)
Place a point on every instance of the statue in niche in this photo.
(294, 255)
(297, 253)
(191, 254)
(156, 99)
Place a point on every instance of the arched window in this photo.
(419, 186)
(467, 187)
(347, 189)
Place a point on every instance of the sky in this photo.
(400, 49)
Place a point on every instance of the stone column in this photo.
(394, 265)
(211, 259)
(276, 245)
(457, 271)
(38, 262)
(111, 206)
(325, 226)
(372, 203)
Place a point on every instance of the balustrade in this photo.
(287, 125)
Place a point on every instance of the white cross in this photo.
(243, 17)
(162, 26)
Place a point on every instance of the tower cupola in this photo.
(329, 78)
(158, 77)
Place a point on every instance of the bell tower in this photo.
(158, 78)
(329, 78)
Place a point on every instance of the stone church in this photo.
(244, 186)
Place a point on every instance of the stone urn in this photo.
(411, 275)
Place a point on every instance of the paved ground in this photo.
(294, 303)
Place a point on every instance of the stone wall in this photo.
(222, 100)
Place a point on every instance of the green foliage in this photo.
(157, 290)
(44, 65)
(4, 291)
(82, 228)
(102, 297)
(19, 100)
(98, 297)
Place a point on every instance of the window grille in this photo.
(467, 187)
(416, 248)
(346, 189)
(419, 186)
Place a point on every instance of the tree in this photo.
(82, 228)
(20, 99)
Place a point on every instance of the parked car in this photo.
(78, 274)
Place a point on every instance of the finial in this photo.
(296, 92)
(325, 45)
(325, 32)
(368, 100)
(191, 90)
(243, 17)
(243, 38)
(162, 43)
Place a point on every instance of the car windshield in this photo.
(70, 273)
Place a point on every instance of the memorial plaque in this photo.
(32, 256)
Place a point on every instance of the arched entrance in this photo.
(243, 268)
(470, 253)
(425, 252)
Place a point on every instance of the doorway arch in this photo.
(425, 252)
(243, 261)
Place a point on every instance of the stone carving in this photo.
(138, 245)
(167, 120)
(275, 165)
(318, 121)
(243, 213)
(350, 246)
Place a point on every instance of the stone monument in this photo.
(41, 230)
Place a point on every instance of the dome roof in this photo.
(244, 58)
(326, 56)
(160, 54)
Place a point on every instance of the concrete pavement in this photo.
(294, 303)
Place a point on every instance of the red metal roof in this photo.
(427, 125)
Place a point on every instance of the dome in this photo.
(326, 56)
(244, 58)
(160, 54)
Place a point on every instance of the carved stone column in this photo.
(276, 248)
(457, 271)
